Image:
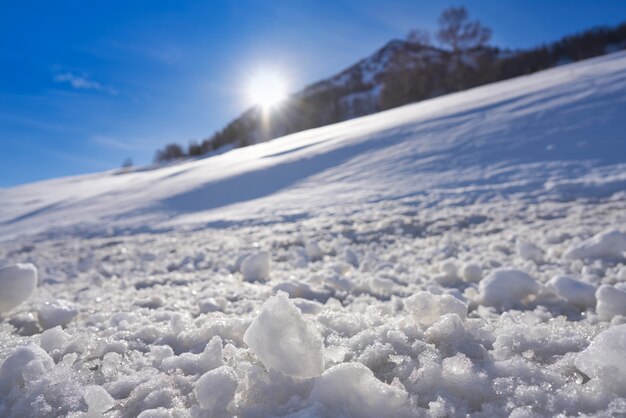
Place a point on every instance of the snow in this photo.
(605, 359)
(471, 272)
(611, 302)
(256, 267)
(428, 308)
(610, 243)
(284, 340)
(507, 287)
(529, 251)
(457, 257)
(17, 283)
(351, 389)
(57, 312)
(98, 401)
(216, 389)
(574, 291)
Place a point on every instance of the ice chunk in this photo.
(574, 291)
(471, 272)
(605, 359)
(506, 286)
(58, 312)
(611, 302)
(429, 308)
(528, 251)
(284, 340)
(352, 390)
(17, 283)
(256, 267)
(98, 401)
(216, 389)
(607, 244)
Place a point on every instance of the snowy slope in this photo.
(559, 132)
(464, 256)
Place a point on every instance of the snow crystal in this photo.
(605, 359)
(17, 283)
(611, 302)
(574, 291)
(284, 340)
(428, 308)
(506, 286)
(607, 244)
(256, 267)
(350, 389)
(216, 389)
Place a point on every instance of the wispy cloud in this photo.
(82, 82)
(124, 144)
(113, 143)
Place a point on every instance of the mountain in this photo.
(460, 256)
(399, 73)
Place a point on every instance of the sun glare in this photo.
(267, 90)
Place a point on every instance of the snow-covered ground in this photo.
(463, 255)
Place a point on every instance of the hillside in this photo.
(402, 72)
(461, 255)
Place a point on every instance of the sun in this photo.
(267, 89)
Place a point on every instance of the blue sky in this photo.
(86, 84)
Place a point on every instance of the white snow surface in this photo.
(460, 256)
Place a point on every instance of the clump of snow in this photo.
(351, 257)
(450, 274)
(428, 308)
(506, 287)
(574, 291)
(351, 389)
(17, 283)
(12, 371)
(57, 312)
(471, 272)
(54, 339)
(98, 401)
(607, 244)
(284, 340)
(313, 251)
(604, 359)
(216, 389)
(190, 364)
(611, 302)
(256, 267)
(528, 251)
